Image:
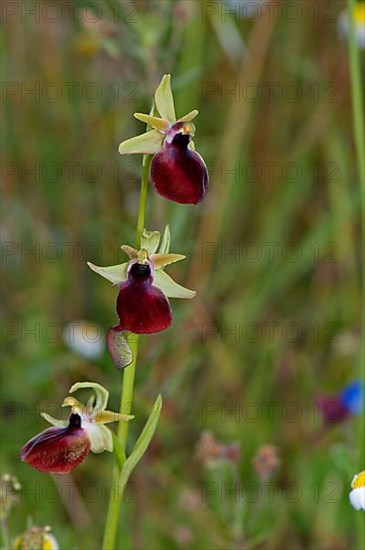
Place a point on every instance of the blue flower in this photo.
(348, 402)
(352, 397)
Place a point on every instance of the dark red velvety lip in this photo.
(178, 173)
(142, 308)
(57, 450)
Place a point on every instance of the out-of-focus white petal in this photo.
(85, 338)
(359, 22)
(357, 498)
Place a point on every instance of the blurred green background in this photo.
(272, 325)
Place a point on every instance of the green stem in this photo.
(359, 136)
(357, 94)
(117, 491)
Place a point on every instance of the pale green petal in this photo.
(73, 403)
(115, 273)
(148, 143)
(165, 243)
(55, 421)
(150, 241)
(159, 124)
(161, 260)
(91, 401)
(129, 250)
(169, 287)
(100, 437)
(102, 394)
(190, 116)
(164, 99)
(105, 417)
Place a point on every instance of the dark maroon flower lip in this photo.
(140, 273)
(332, 410)
(180, 134)
(142, 308)
(57, 450)
(179, 174)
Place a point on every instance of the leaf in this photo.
(164, 99)
(165, 243)
(147, 143)
(119, 349)
(162, 260)
(141, 444)
(115, 273)
(169, 287)
(150, 241)
(159, 124)
(190, 116)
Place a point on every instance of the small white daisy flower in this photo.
(359, 20)
(357, 495)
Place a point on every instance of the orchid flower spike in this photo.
(144, 288)
(60, 449)
(178, 172)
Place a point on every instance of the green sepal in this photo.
(170, 288)
(55, 421)
(115, 273)
(165, 243)
(146, 144)
(164, 99)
